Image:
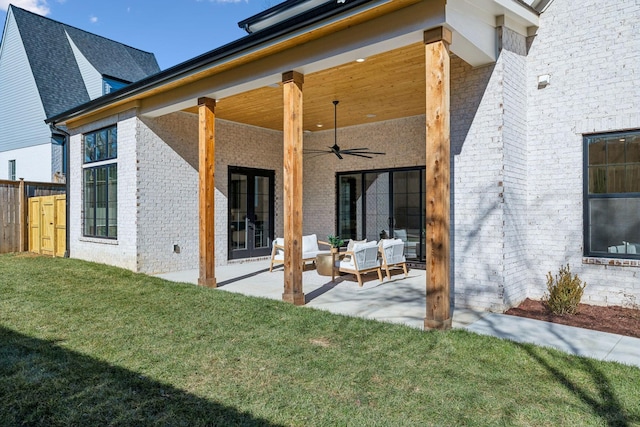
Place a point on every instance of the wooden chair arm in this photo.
(320, 242)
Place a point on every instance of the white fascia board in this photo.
(400, 28)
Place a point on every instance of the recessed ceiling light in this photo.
(371, 116)
(319, 125)
(360, 60)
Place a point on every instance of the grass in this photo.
(88, 344)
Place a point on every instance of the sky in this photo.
(174, 30)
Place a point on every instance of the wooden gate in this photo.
(47, 225)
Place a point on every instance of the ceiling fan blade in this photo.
(352, 151)
(358, 155)
(337, 153)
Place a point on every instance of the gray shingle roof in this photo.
(54, 66)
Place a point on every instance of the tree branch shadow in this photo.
(605, 404)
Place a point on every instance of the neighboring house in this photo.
(47, 67)
(511, 133)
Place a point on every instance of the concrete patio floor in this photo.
(399, 300)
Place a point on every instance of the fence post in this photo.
(22, 212)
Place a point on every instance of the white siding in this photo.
(21, 112)
(92, 78)
(32, 163)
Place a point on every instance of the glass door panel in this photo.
(377, 205)
(262, 212)
(350, 206)
(407, 211)
(238, 212)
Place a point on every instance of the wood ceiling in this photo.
(389, 85)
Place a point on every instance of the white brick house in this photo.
(520, 119)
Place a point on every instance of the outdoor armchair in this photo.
(392, 251)
(310, 249)
(362, 259)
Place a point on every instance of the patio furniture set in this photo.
(358, 258)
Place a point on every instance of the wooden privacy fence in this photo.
(14, 216)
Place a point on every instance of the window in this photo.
(612, 195)
(100, 184)
(101, 145)
(12, 170)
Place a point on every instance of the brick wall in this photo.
(592, 55)
(168, 186)
(120, 252)
(514, 135)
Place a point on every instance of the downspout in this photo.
(66, 160)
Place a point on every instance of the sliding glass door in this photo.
(383, 204)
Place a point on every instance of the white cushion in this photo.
(353, 242)
(366, 255)
(279, 251)
(400, 234)
(309, 243)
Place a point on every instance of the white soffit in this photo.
(474, 22)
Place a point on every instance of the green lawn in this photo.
(86, 344)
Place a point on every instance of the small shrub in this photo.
(565, 292)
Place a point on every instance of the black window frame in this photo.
(90, 197)
(111, 148)
(588, 197)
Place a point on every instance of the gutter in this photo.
(278, 13)
(67, 155)
(290, 25)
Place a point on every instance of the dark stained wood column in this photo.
(438, 145)
(292, 178)
(206, 172)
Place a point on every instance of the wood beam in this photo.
(438, 146)
(206, 172)
(292, 177)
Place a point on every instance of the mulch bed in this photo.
(614, 319)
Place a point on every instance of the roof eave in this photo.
(251, 41)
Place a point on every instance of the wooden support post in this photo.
(206, 172)
(22, 220)
(438, 147)
(292, 178)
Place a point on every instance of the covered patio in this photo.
(257, 104)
